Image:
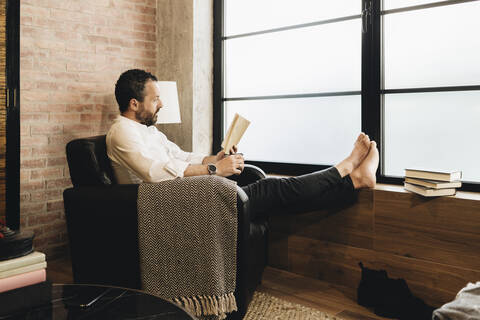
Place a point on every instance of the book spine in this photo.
(22, 280)
(13, 272)
(33, 258)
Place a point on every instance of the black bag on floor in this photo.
(390, 298)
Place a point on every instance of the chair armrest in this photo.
(102, 231)
(249, 175)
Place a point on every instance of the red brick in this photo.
(145, 44)
(34, 117)
(32, 186)
(55, 194)
(49, 44)
(146, 10)
(32, 208)
(59, 183)
(38, 196)
(33, 141)
(58, 225)
(26, 21)
(49, 151)
(92, 117)
(25, 152)
(64, 117)
(46, 128)
(144, 27)
(49, 85)
(64, 76)
(72, 128)
(34, 95)
(79, 107)
(42, 107)
(54, 205)
(63, 139)
(35, 220)
(33, 163)
(59, 161)
(24, 176)
(27, 10)
(24, 129)
(65, 15)
(49, 173)
(45, 240)
(24, 197)
(27, 63)
(79, 28)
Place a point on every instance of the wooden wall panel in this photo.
(431, 243)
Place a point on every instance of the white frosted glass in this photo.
(433, 47)
(303, 130)
(244, 16)
(433, 130)
(393, 4)
(315, 59)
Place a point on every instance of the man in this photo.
(139, 152)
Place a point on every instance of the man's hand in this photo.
(221, 154)
(229, 165)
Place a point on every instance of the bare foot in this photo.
(359, 152)
(364, 175)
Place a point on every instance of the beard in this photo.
(145, 117)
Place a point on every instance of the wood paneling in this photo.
(432, 243)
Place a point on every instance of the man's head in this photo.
(137, 96)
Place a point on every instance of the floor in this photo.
(320, 295)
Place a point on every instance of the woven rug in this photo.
(267, 307)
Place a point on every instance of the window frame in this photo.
(372, 88)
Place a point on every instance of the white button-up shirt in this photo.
(140, 153)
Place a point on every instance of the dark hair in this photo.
(130, 85)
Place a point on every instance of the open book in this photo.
(235, 132)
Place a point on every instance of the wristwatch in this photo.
(212, 169)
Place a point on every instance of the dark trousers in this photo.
(324, 189)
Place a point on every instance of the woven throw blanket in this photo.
(187, 231)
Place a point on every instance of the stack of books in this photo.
(430, 183)
(23, 271)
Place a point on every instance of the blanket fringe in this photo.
(208, 305)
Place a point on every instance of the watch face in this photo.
(212, 169)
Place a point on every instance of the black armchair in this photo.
(102, 225)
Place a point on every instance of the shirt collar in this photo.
(129, 121)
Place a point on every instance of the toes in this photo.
(360, 137)
(366, 141)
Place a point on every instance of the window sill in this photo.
(399, 189)
(396, 188)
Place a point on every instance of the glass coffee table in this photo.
(91, 302)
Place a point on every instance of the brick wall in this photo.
(72, 52)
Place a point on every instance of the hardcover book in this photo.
(428, 192)
(235, 132)
(22, 280)
(24, 269)
(32, 258)
(434, 184)
(439, 175)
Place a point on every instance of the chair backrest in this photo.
(88, 162)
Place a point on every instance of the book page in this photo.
(235, 132)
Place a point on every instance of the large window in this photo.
(311, 74)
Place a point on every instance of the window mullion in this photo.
(218, 73)
(371, 74)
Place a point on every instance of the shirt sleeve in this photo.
(129, 150)
(190, 157)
